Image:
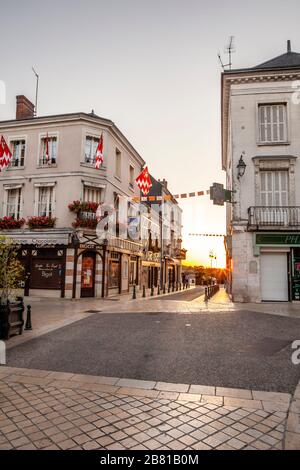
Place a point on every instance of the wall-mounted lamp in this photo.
(241, 166)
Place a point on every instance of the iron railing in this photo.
(260, 217)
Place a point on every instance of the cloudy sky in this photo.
(151, 66)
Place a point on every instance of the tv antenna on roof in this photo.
(229, 49)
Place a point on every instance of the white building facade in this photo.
(53, 170)
(82, 231)
(260, 129)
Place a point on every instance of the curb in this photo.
(221, 396)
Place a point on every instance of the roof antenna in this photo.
(228, 50)
(36, 91)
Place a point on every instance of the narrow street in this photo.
(144, 378)
(179, 343)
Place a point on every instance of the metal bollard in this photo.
(164, 289)
(144, 291)
(134, 292)
(28, 325)
(173, 287)
(176, 286)
(152, 291)
(158, 290)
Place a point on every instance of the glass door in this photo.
(88, 275)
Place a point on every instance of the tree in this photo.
(11, 269)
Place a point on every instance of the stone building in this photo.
(260, 154)
(163, 252)
(53, 171)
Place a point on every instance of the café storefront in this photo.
(279, 255)
(43, 255)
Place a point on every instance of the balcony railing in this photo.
(269, 218)
(115, 242)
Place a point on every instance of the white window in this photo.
(91, 194)
(131, 176)
(17, 148)
(13, 205)
(274, 188)
(272, 123)
(48, 151)
(90, 149)
(118, 164)
(45, 201)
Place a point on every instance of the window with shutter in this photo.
(274, 188)
(272, 123)
(13, 206)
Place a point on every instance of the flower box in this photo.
(86, 222)
(78, 206)
(11, 318)
(41, 222)
(9, 223)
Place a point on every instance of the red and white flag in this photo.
(144, 181)
(47, 156)
(99, 154)
(5, 154)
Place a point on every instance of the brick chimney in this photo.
(25, 109)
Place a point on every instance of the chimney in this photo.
(25, 109)
(289, 49)
(165, 183)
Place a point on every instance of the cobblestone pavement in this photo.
(50, 410)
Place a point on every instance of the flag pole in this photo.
(36, 91)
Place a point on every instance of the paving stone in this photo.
(234, 392)
(212, 399)
(272, 396)
(131, 383)
(240, 402)
(189, 397)
(202, 390)
(169, 387)
(292, 441)
(82, 418)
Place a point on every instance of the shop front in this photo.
(279, 255)
(151, 270)
(43, 255)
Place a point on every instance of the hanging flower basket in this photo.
(78, 206)
(41, 222)
(86, 223)
(9, 223)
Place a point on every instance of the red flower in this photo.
(10, 223)
(77, 206)
(41, 222)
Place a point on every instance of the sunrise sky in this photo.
(151, 66)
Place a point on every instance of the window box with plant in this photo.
(86, 214)
(10, 223)
(41, 222)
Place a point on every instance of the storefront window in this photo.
(114, 273)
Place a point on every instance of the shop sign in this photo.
(290, 239)
(45, 274)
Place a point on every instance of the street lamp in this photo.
(241, 167)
